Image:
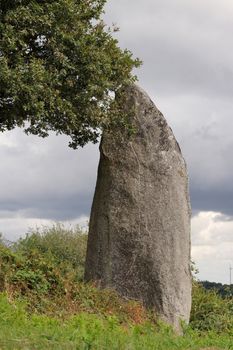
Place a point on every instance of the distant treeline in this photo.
(225, 290)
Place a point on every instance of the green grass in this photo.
(19, 330)
(45, 305)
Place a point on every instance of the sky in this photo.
(187, 53)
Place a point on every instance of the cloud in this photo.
(44, 178)
(17, 227)
(185, 46)
(212, 245)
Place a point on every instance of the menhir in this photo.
(139, 236)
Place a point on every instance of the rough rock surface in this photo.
(139, 236)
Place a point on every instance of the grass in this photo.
(45, 305)
(19, 330)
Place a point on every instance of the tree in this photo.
(60, 68)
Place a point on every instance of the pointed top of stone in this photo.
(137, 92)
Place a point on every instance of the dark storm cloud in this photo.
(54, 208)
(218, 200)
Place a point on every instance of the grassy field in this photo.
(45, 305)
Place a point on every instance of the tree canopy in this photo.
(59, 68)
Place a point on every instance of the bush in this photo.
(28, 275)
(42, 266)
(8, 262)
(46, 269)
(210, 312)
(65, 247)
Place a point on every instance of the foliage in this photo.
(46, 268)
(29, 274)
(65, 247)
(194, 270)
(60, 68)
(223, 290)
(210, 312)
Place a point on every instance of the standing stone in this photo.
(139, 236)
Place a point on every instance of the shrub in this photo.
(43, 269)
(65, 247)
(210, 312)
